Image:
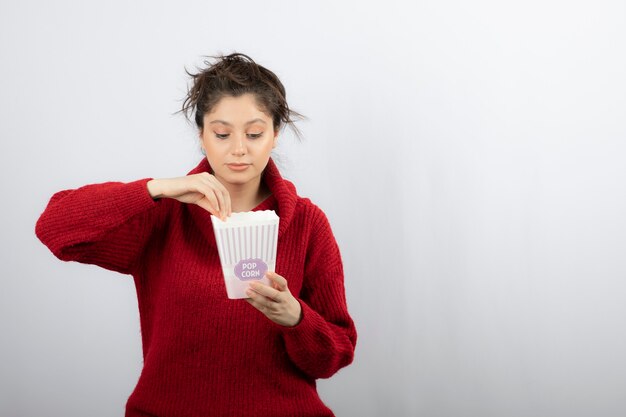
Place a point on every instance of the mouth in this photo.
(238, 167)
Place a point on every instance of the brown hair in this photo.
(234, 75)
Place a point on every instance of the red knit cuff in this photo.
(142, 197)
(307, 324)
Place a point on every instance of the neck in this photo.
(245, 197)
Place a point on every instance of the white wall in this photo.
(470, 157)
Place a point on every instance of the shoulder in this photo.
(314, 228)
(303, 216)
(323, 253)
(310, 211)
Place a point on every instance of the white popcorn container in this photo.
(246, 243)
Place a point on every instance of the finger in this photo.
(229, 204)
(265, 290)
(261, 302)
(220, 191)
(222, 204)
(256, 304)
(281, 282)
(221, 194)
(216, 196)
(205, 204)
(211, 196)
(225, 196)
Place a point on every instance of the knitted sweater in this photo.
(205, 354)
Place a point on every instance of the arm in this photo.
(103, 224)
(109, 224)
(318, 332)
(324, 340)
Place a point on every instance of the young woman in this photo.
(205, 354)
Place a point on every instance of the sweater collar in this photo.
(283, 191)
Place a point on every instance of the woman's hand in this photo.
(202, 189)
(275, 301)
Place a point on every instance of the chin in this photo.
(237, 179)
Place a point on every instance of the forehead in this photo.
(237, 110)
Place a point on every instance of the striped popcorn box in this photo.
(246, 243)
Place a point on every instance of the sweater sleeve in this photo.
(324, 340)
(103, 224)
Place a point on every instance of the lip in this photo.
(238, 167)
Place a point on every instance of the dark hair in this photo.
(234, 75)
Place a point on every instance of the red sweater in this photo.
(204, 354)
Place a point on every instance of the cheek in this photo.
(215, 145)
(267, 149)
(261, 146)
(263, 153)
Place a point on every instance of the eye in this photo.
(221, 135)
(255, 135)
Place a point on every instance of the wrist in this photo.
(297, 313)
(154, 189)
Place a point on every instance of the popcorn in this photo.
(247, 244)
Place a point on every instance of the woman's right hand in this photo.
(202, 189)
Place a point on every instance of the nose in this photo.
(239, 146)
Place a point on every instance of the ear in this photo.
(275, 140)
(201, 142)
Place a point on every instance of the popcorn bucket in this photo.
(246, 243)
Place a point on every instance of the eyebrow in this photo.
(230, 124)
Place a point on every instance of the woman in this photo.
(204, 354)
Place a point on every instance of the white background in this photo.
(469, 155)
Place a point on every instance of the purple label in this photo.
(250, 269)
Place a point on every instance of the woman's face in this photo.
(238, 139)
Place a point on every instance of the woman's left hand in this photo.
(275, 301)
